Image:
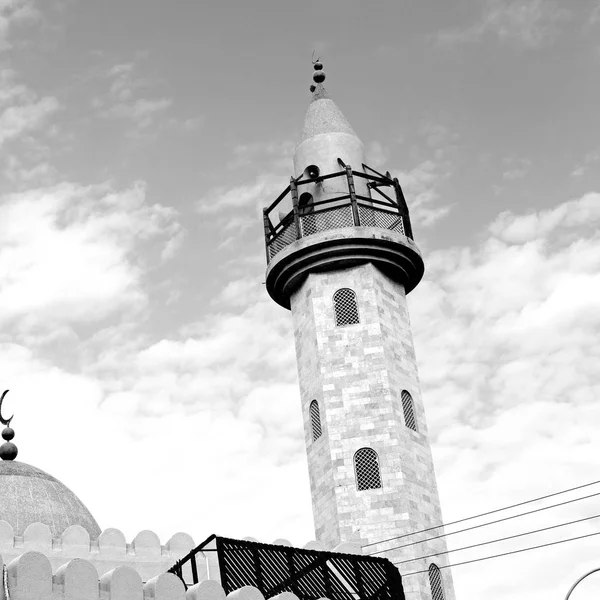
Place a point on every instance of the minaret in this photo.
(341, 256)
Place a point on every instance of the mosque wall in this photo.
(31, 577)
(144, 554)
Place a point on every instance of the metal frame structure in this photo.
(309, 574)
(385, 213)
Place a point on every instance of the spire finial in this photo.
(8, 451)
(318, 90)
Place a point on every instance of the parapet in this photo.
(144, 554)
(30, 577)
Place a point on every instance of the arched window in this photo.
(346, 309)
(366, 467)
(315, 420)
(408, 406)
(435, 583)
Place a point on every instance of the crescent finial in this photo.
(2, 419)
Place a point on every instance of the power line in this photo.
(509, 537)
(490, 512)
(466, 562)
(529, 512)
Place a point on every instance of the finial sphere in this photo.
(318, 77)
(318, 66)
(8, 451)
(8, 433)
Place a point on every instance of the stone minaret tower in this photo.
(341, 256)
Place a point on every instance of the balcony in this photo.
(337, 210)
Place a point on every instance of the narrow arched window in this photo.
(408, 406)
(345, 307)
(435, 582)
(366, 467)
(315, 420)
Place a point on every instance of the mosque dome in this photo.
(29, 495)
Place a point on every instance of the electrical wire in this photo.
(466, 562)
(529, 512)
(490, 512)
(509, 537)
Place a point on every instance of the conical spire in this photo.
(323, 115)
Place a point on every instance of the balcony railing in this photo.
(337, 211)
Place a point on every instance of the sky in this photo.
(148, 368)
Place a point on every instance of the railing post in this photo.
(403, 209)
(267, 226)
(294, 192)
(352, 192)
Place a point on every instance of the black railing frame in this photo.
(375, 181)
(392, 582)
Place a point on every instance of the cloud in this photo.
(68, 253)
(528, 23)
(127, 99)
(21, 110)
(239, 206)
(520, 229)
(516, 168)
(507, 335)
(420, 188)
(589, 160)
(14, 12)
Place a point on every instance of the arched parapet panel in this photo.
(247, 592)
(122, 583)
(29, 577)
(38, 536)
(112, 542)
(75, 542)
(76, 580)
(348, 548)
(165, 586)
(146, 544)
(7, 535)
(315, 545)
(206, 590)
(180, 544)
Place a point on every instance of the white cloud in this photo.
(21, 110)
(127, 97)
(13, 12)
(507, 341)
(538, 225)
(516, 168)
(589, 160)
(420, 188)
(261, 192)
(68, 253)
(529, 23)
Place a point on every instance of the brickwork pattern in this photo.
(357, 374)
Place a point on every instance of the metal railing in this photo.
(344, 210)
(309, 574)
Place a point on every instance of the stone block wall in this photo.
(357, 373)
